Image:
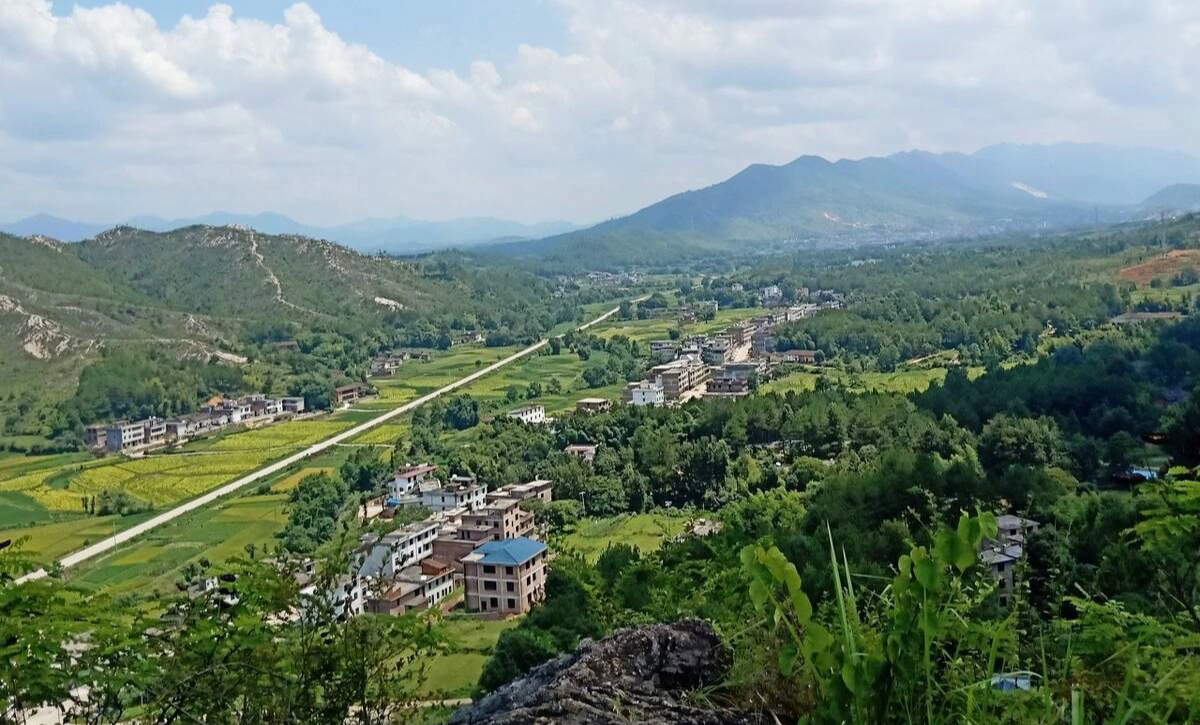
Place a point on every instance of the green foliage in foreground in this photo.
(922, 650)
(252, 650)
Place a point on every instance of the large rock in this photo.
(633, 676)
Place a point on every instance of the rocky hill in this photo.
(639, 675)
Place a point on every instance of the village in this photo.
(726, 364)
(219, 413)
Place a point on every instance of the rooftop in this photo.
(508, 552)
(416, 470)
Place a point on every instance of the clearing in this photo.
(645, 531)
(1162, 265)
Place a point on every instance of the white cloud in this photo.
(104, 113)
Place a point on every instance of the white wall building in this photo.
(531, 414)
(384, 556)
(406, 480)
(648, 393)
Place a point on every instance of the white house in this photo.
(384, 556)
(531, 414)
(454, 496)
(648, 393)
(407, 479)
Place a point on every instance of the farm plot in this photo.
(166, 479)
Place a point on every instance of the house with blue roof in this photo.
(505, 576)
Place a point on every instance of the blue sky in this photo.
(547, 109)
(422, 34)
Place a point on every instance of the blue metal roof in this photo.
(508, 552)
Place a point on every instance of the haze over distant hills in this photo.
(905, 194)
(395, 234)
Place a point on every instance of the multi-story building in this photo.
(531, 414)
(762, 342)
(263, 407)
(540, 488)
(593, 405)
(727, 385)
(805, 357)
(96, 436)
(454, 495)
(679, 376)
(405, 480)
(663, 350)
(122, 435)
(740, 333)
(417, 587)
(344, 394)
(385, 556)
(506, 576)
(716, 351)
(646, 393)
(292, 405)
(771, 295)
(1002, 554)
(498, 518)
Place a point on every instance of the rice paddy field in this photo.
(219, 533)
(645, 531)
(43, 497)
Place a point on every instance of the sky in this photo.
(334, 110)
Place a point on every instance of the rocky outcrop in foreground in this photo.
(633, 676)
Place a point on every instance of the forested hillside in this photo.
(227, 294)
(905, 196)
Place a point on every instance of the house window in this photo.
(512, 603)
(495, 602)
(489, 569)
(509, 586)
(508, 570)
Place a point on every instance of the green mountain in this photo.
(905, 195)
(214, 291)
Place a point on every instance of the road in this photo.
(110, 543)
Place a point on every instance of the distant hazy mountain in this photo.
(911, 193)
(1175, 198)
(53, 227)
(397, 234)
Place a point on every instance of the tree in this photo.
(365, 470)
(462, 412)
(1009, 441)
(1170, 532)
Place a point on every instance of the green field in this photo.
(455, 673)
(416, 378)
(48, 541)
(218, 534)
(901, 381)
(645, 531)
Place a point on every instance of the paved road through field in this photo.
(89, 552)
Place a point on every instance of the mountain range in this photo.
(396, 235)
(891, 198)
(912, 194)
